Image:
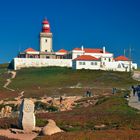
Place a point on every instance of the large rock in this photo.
(26, 116)
(51, 128)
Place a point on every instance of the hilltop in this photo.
(57, 80)
(53, 81)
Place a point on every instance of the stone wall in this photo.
(18, 63)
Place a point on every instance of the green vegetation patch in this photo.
(43, 106)
(120, 106)
(41, 122)
(58, 80)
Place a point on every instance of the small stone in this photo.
(102, 126)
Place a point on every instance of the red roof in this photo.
(62, 51)
(30, 50)
(90, 50)
(121, 58)
(87, 58)
(77, 49)
(93, 50)
(45, 21)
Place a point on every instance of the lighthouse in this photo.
(45, 37)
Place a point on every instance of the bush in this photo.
(52, 108)
(43, 106)
(41, 122)
(102, 100)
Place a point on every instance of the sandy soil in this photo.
(8, 134)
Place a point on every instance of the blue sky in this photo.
(92, 23)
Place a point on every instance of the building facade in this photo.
(78, 58)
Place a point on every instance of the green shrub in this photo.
(40, 106)
(43, 106)
(102, 100)
(52, 108)
(41, 122)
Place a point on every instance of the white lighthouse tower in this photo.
(45, 37)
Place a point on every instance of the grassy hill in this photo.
(56, 80)
(121, 121)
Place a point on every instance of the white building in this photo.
(120, 63)
(86, 62)
(97, 53)
(78, 58)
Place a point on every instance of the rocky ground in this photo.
(67, 103)
(133, 101)
(23, 136)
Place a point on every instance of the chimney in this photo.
(103, 49)
(82, 47)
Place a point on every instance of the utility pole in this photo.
(124, 52)
(130, 60)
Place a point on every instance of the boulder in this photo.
(51, 128)
(6, 111)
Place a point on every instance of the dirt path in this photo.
(133, 102)
(8, 81)
(9, 134)
(136, 75)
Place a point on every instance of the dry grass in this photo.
(113, 112)
(6, 123)
(5, 138)
(95, 135)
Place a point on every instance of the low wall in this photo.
(19, 63)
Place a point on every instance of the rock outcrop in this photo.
(27, 116)
(6, 111)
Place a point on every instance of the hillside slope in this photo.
(56, 80)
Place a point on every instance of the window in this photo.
(31, 56)
(93, 63)
(119, 66)
(47, 57)
(82, 63)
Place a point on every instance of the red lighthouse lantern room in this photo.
(46, 26)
